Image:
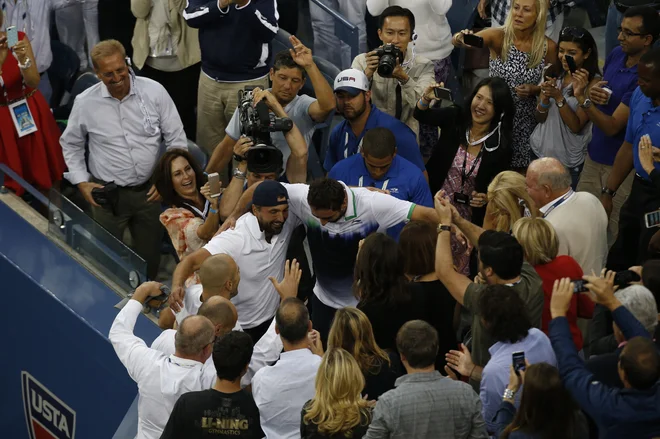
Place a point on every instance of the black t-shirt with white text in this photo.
(213, 414)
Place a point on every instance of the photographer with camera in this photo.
(398, 76)
(288, 74)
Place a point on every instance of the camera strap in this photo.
(399, 102)
(465, 176)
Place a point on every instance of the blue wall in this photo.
(56, 319)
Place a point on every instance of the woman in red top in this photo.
(36, 156)
(540, 246)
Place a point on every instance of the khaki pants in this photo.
(143, 221)
(593, 179)
(216, 104)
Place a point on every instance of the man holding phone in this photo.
(607, 104)
(398, 94)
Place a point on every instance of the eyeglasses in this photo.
(627, 34)
(576, 32)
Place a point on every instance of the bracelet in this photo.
(541, 111)
(472, 371)
(508, 394)
(422, 103)
(546, 106)
(212, 210)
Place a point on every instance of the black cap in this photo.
(270, 193)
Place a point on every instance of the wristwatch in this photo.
(239, 158)
(606, 190)
(28, 63)
(508, 394)
(443, 228)
(561, 103)
(239, 174)
(586, 104)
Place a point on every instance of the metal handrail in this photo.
(344, 29)
(4, 169)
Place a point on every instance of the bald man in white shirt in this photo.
(161, 379)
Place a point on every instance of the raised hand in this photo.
(562, 294)
(301, 54)
(175, 301)
(289, 285)
(580, 81)
(315, 345)
(602, 289)
(597, 94)
(460, 361)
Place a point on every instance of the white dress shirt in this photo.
(33, 18)
(124, 136)
(266, 351)
(280, 391)
(161, 379)
(257, 300)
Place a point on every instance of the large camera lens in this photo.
(264, 159)
(386, 65)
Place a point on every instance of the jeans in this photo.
(575, 174)
(45, 88)
(614, 18)
(77, 24)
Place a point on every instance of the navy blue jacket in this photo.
(619, 413)
(235, 42)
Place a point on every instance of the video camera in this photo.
(388, 55)
(257, 123)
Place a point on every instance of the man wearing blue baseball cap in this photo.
(258, 244)
(354, 103)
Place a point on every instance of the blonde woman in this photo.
(337, 409)
(519, 53)
(508, 201)
(540, 247)
(352, 331)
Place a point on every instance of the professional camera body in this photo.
(257, 123)
(388, 55)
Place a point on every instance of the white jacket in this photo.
(433, 32)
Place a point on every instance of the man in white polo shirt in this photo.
(337, 218)
(258, 243)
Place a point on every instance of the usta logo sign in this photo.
(47, 416)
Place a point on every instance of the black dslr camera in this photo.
(257, 123)
(388, 55)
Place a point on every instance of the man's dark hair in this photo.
(418, 342)
(651, 277)
(652, 57)
(397, 11)
(650, 20)
(284, 60)
(292, 319)
(379, 143)
(641, 362)
(501, 252)
(504, 314)
(231, 354)
(326, 193)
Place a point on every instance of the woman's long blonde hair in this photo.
(507, 195)
(537, 53)
(351, 330)
(337, 406)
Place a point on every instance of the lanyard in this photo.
(359, 147)
(486, 137)
(558, 203)
(202, 214)
(474, 165)
(361, 182)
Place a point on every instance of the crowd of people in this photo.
(487, 268)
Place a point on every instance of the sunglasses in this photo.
(576, 32)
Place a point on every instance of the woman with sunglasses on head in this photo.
(564, 129)
(519, 52)
(474, 146)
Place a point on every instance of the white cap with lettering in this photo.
(352, 81)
